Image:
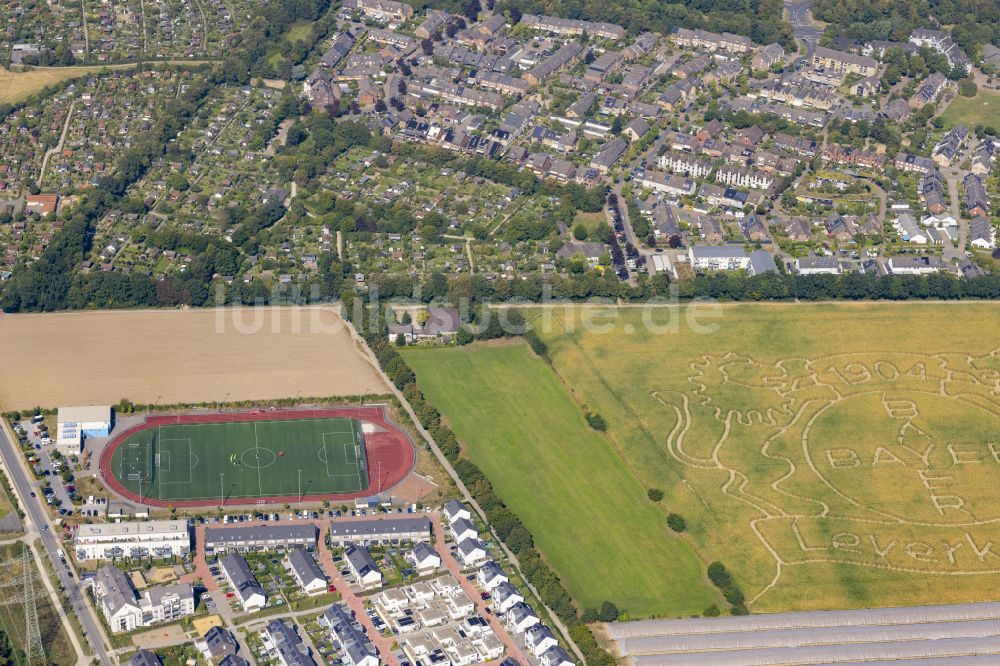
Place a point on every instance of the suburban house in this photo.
(472, 552)
(539, 639)
(505, 596)
(431, 324)
(520, 617)
(490, 575)
(813, 265)
(288, 644)
(910, 265)
(424, 558)
(306, 571)
(363, 566)
(463, 529)
(248, 590)
(730, 258)
(454, 509)
(355, 645)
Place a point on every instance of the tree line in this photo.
(975, 21)
(504, 521)
(760, 20)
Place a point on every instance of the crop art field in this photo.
(829, 455)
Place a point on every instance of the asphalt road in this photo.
(36, 516)
(800, 16)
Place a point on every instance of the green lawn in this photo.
(301, 30)
(984, 108)
(589, 516)
(255, 459)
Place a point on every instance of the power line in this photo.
(25, 595)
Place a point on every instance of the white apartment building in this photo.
(745, 178)
(685, 164)
(125, 610)
(152, 538)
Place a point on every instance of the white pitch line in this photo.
(256, 446)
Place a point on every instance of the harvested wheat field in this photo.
(180, 356)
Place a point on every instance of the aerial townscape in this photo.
(651, 333)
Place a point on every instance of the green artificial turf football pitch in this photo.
(239, 460)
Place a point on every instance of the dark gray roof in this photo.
(361, 560)
(116, 587)
(144, 658)
(342, 626)
(453, 507)
(463, 524)
(556, 655)
(761, 261)
(288, 643)
(242, 578)
(233, 660)
(221, 642)
(491, 570)
(259, 534)
(380, 527)
(304, 565)
(469, 545)
(423, 550)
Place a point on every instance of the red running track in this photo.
(392, 447)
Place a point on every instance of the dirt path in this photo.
(59, 146)
(468, 249)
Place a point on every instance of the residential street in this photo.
(37, 520)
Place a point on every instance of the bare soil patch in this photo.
(180, 356)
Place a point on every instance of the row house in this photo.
(847, 156)
(502, 83)
(644, 43)
(744, 178)
(560, 141)
(687, 165)
(573, 27)
(913, 163)
(810, 95)
(659, 181)
(435, 22)
(767, 57)
(932, 192)
(950, 146)
(603, 66)
(795, 144)
(774, 163)
(929, 90)
(564, 57)
(392, 38)
(710, 41)
(977, 202)
(982, 159)
(383, 10)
